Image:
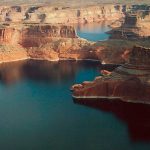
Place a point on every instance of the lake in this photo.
(93, 31)
(37, 111)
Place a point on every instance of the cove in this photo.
(37, 111)
(93, 31)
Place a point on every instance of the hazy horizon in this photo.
(67, 2)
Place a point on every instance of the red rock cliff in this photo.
(130, 82)
(33, 40)
(36, 35)
(43, 41)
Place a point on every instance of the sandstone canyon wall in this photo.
(55, 42)
(43, 32)
(129, 82)
(33, 40)
(64, 15)
(135, 25)
(43, 41)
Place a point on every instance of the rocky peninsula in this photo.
(129, 82)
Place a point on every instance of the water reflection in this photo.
(54, 72)
(136, 116)
(93, 31)
(38, 116)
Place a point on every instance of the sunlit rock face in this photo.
(48, 42)
(129, 82)
(37, 36)
(136, 23)
(21, 41)
(54, 42)
(52, 14)
(9, 35)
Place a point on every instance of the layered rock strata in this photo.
(129, 82)
(19, 41)
(36, 39)
(57, 42)
(43, 41)
(64, 15)
(136, 24)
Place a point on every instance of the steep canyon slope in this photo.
(129, 82)
(46, 32)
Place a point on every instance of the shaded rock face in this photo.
(38, 35)
(130, 82)
(51, 31)
(130, 21)
(35, 35)
(140, 57)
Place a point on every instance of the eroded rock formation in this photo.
(19, 41)
(136, 23)
(64, 15)
(27, 37)
(57, 42)
(49, 42)
(129, 82)
(30, 35)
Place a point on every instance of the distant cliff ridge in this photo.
(65, 15)
(135, 25)
(72, 3)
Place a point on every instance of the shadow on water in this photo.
(136, 116)
(42, 116)
(45, 71)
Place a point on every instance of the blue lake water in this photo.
(93, 31)
(38, 113)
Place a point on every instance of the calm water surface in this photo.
(38, 113)
(93, 31)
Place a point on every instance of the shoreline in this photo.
(99, 98)
(50, 60)
(57, 60)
